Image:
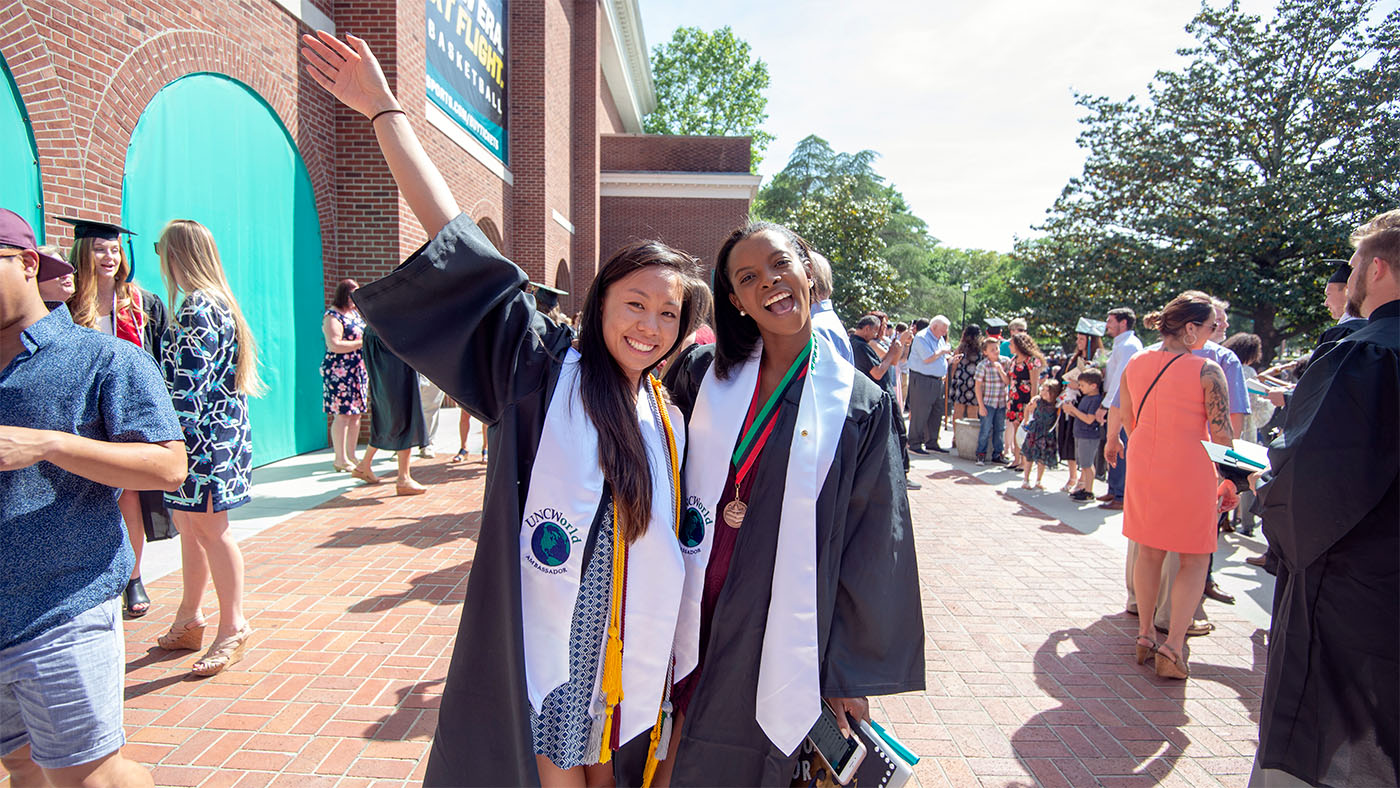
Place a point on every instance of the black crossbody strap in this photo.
(1143, 401)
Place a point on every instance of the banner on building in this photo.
(466, 65)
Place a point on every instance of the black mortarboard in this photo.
(86, 228)
(995, 325)
(546, 297)
(1342, 274)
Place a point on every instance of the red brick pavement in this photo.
(1030, 671)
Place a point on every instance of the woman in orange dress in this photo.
(1172, 400)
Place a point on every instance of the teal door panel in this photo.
(20, 189)
(208, 148)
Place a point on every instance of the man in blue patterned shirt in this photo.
(82, 416)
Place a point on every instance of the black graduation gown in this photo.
(870, 631)
(1331, 702)
(395, 409)
(155, 518)
(1340, 331)
(455, 311)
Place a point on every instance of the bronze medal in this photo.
(734, 513)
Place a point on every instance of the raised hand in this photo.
(350, 74)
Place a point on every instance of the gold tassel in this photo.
(612, 659)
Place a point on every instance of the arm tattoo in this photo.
(1217, 396)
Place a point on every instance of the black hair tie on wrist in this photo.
(381, 113)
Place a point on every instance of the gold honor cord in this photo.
(612, 662)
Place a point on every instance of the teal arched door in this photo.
(20, 189)
(208, 148)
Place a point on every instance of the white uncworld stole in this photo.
(789, 684)
(566, 489)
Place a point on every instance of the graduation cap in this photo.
(1342, 272)
(995, 325)
(546, 297)
(87, 228)
(1094, 328)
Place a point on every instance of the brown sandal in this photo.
(187, 635)
(363, 475)
(222, 653)
(1143, 652)
(1171, 667)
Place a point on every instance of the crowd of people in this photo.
(626, 510)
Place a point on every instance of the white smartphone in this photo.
(843, 755)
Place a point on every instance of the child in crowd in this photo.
(1087, 430)
(1040, 445)
(991, 384)
(1069, 395)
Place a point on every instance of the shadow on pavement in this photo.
(422, 533)
(439, 588)
(413, 701)
(1113, 713)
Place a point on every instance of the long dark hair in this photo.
(1091, 347)
(608, 397)
(971, 345)
(343, 289)
(736, 334)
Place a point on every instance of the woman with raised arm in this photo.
(578, 551)
(801, 581)
(1171, 400)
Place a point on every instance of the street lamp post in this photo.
(966, 286)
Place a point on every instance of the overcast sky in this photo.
(971, 105)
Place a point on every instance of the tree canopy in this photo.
(881, 253)
(846, 210)
(1238, 174)
(709, 84)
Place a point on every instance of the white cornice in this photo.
(688, 185)
(444, 123)
(308, 14)
(626, 62)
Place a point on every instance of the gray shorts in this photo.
(1085, 450)
(61, 692)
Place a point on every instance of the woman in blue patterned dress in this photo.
(211, 367)
(343, 376)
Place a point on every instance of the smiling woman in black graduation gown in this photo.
(564, 647)
(824, 490)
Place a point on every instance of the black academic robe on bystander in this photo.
(1331, 702)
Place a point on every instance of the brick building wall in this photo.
(654, 153)
(695, 226)
(688, 192)
(86, 72)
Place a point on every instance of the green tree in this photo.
(709, 84)
(846, 210)
(1238, 174)
(845, 227)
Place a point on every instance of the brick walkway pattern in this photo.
(1031, 678)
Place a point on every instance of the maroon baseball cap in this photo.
(16, 232)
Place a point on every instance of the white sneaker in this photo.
(427, 453)
(981, 463)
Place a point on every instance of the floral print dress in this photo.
(1025, 380)
(344, 381)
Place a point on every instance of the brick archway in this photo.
(157, 62)
(46, 103)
